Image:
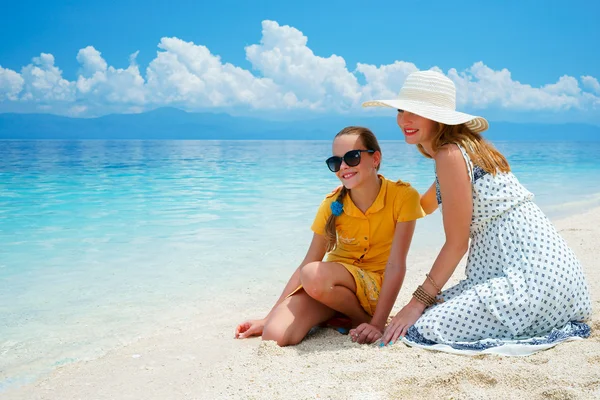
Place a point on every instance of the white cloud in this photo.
(481, 87)
(566, 85)
(101, 84)
(190, 75)
(77, 110)
(286, 75)
(384, 82)
(591, 82)
(91, 61)
(11, 83)
(319, 82)
(43, 81)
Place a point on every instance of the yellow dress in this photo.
(364, 240)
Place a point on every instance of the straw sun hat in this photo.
(431, 95)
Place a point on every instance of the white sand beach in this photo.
(200, 359)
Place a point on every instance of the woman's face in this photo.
(353, 176)
(416, 129)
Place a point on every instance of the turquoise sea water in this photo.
(101, 241)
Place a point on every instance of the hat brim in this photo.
(438, 114)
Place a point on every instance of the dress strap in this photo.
(467, 161)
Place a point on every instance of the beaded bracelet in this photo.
(421, 295)
(439, 290)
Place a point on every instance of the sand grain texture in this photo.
(202, 361)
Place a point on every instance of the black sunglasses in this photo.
(351, 158)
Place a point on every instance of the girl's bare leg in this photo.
(331, 284)
(294, 317)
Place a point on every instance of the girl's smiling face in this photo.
(353, 176)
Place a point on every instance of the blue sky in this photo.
(511, 60)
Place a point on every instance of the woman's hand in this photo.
(365, 333)
(249, 328)
(406, 317)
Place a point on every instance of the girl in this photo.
(362, 229)
(524, 289)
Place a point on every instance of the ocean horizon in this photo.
(104, 241)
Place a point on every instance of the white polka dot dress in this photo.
(524, 289)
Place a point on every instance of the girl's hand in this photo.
(365, 333)
(406, 317)
(249, 328)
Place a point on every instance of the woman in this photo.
(524, 289)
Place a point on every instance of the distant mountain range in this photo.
(171, 123)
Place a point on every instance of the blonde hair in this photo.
(369, 141)
(481, 152)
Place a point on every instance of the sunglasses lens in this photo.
(334, 163)
(352, 158)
